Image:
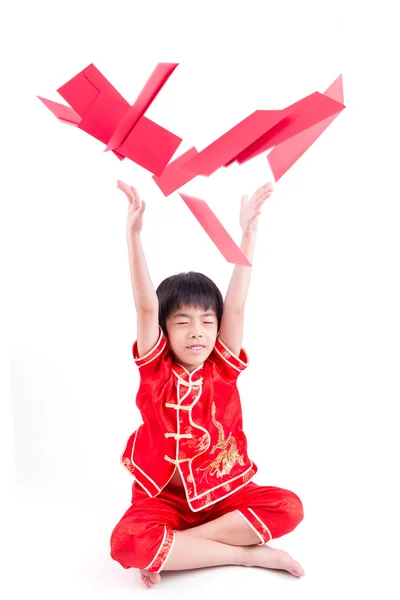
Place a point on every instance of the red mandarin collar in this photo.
(185, 377)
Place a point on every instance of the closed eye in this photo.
(205, 322)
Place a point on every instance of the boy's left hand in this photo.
(250, 209)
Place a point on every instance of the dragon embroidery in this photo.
(228, 455)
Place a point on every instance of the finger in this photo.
(263, 196)
(126, 189)
(267, 188)
(259, 194)
(260, 201)
(268, 185)
(122, 185)
(134, 196)
(243, 200)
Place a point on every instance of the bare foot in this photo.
(271, 558)
(149, 579)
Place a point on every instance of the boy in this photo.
(193, 502)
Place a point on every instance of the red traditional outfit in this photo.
(193, 422)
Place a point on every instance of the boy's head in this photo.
(190, 312)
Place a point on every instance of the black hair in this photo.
(187, 289)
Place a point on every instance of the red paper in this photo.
(282, 157)
(259, 132)
(220, 153)
(62, 112)
(155, 83)
(227, 147)
(301, 116)
(173, 178)
(99, 109)
(215, 230)
(104, 112)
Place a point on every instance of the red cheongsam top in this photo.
(192, 421)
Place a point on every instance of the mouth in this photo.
(195, 349)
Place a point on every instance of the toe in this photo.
(155, 577)
(297, 570)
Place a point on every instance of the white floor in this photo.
(58, 547)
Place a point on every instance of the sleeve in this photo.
(153, 364)
(228, 364)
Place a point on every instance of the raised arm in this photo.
(231, 329)
(145, 297)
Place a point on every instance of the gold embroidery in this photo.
(229, 455)
(199, 445)
(206, 500)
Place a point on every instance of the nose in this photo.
(196, 335)
(196, 332)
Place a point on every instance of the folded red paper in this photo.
(259, 132)
(284, 155)
(213, 227)
(155, 83)
(101, 111)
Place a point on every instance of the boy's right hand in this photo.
(136, 208)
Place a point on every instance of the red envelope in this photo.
(223, 150)
(102, 109)
(155, 83)
(62, 112)
(259, 132)
(172, 178)
(99, 109)
(215, 230)
(302, 115)
(282, 157)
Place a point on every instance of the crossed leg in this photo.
(227, 540)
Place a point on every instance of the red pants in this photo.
(144, 536)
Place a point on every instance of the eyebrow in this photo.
(186, 315)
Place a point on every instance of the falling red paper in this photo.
(224, 149)
(215, 230)
(300, 116)
(107, 116)
(259, 132)
(290, 132)
(155, 83)
(282, 157)
(219, 153)
(173, 178)
(62, 112)
(99, 109)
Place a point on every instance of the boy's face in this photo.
(192, 333)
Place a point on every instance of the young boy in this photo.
(193, 502)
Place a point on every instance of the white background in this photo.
(322, 321)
